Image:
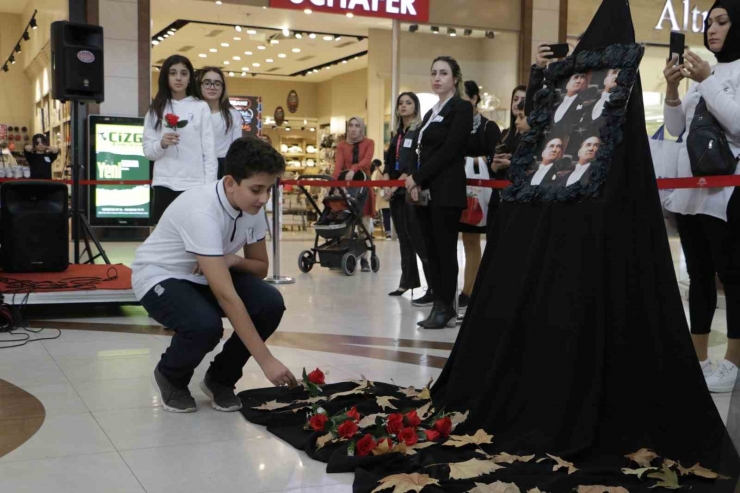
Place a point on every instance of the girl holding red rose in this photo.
(178, 136)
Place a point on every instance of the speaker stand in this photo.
(80, 225)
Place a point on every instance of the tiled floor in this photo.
(105, 430)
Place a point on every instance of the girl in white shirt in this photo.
(210, 86)
(708, 220)
(184, 156)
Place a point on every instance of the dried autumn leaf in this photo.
(409, 392)
(403, 483)
(384, 402)
(702, 472)
(561, 464)
(312, 400)
(425, 411)
(472, 468)
(424, 395)
(638, 472)
(459, 418)
(272, 405)
(369, 420)
(497, 487)
(383, 448)
(669, 463)
(601, 489)
(504, 458)
(411, 449)
(323, 440)
(362, 386)
(480, 438)
(643, 457)
(666, 479)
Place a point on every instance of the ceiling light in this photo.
(337, 38)
(328, 38)
(213, 50)
(435, 30)
(5, 68)
(225, 45)
(296, 50)
(226, 62)
(490, 34)
(251, 31)
(413, 28)
(269, 60)
(452, 32)
(236, 58)
(255, 64)
(160, 38)
(231, 74)
(312, 36)
(350, 15)
(249, 53)
(245, 69)
(166, 35)
(173, 30)
(155, 42)
(218, 2)
(26, 36)
(312, 129)
(238, 28)
(282, 55)
(480, 87)
(203, 55)
(308, 11)
(274, 42)
(12, 59)
(236, 38)
(344, 61)
(298, 36)
(328, 68)
(261, 47)
(33, 24)
(468, 32)
(244, 74)
(286, 31)
(287, 129)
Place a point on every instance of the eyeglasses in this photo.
(212, 84)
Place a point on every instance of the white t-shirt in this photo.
(221, 138)
(201, 221)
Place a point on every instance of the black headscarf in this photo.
(731, 48)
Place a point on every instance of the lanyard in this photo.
(398, 149)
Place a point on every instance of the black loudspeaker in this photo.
(35, 226)
(77, 62)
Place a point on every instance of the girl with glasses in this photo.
(210, 86)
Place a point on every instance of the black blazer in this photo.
(407, 157)
(442, 159)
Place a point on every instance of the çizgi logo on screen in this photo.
(409, 10)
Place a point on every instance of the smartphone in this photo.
(559, 50)
(678, 44)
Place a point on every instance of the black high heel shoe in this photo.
(401, 292)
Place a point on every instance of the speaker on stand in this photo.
(78, 76)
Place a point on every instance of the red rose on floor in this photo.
(395, 423)
(432, 435)
(316, 377)
(443, 426)
(412, 419)
(171, 119)
(366, 445)
(408, 436)
(353, 414)
(318, 421)
(347, 429)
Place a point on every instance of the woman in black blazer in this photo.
(440, 176)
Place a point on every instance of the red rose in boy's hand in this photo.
(347, 429)
(443, 426)
(432, 435)
(366, 445)
(408, 436)
(316, 377)
(395, 423)
(412, 419)
(353, 414)
(318, 421)
(171, 119)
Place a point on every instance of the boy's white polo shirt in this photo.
(201, 221)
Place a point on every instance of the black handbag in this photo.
(709, 152)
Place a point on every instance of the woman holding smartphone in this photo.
(184, 156)
(438, 185)
(210, 86)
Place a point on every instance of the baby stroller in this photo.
(338, 224)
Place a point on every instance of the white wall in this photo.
(119, 19)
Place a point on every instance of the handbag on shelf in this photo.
(709, 152)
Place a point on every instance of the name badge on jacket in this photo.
(408, 143)
(47, 159)
(438, 119)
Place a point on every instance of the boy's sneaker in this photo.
(463, 301)
(426, 300)
(222, 396)
(174, 399)
(723, 378)
(706, 368)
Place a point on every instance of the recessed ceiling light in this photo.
(269, 60)
(203, 55)
(231, 74)
(226, 62)
(298, 36)
(296, 50)
(312, 36)
(328, 38)
(237, 38)
(337, 38)
(255, 65)
(245, 69)
(308, 11)
(274, 42)
(218, 2)
(282, 55)
(160, 38)
(225, 45)
(238, 28)
(344, 61)
(244, 74)
(236, 58)
(262, 47)
(286, 31)
(328, 68)
(166, 35)
(213, 50)
(312, 129)
(247, 52)
(350, 15)
(155, 42)
(251, 31)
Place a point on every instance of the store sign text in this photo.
(407, 10)
(691, 19)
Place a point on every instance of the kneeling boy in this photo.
(187, 276)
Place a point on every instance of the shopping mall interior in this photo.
(80, 409)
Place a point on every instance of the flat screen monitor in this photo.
(116, 154)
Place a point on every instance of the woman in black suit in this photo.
(440, 177)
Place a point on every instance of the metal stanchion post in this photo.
(276, 233)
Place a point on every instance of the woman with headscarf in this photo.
(355, 155)
(708, 220)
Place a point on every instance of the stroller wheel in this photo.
(306, 261)
(375, 263)
(349, 264)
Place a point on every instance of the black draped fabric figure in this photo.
(575, 344)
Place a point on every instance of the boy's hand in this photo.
(278, 373)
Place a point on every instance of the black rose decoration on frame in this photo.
(579, 121)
